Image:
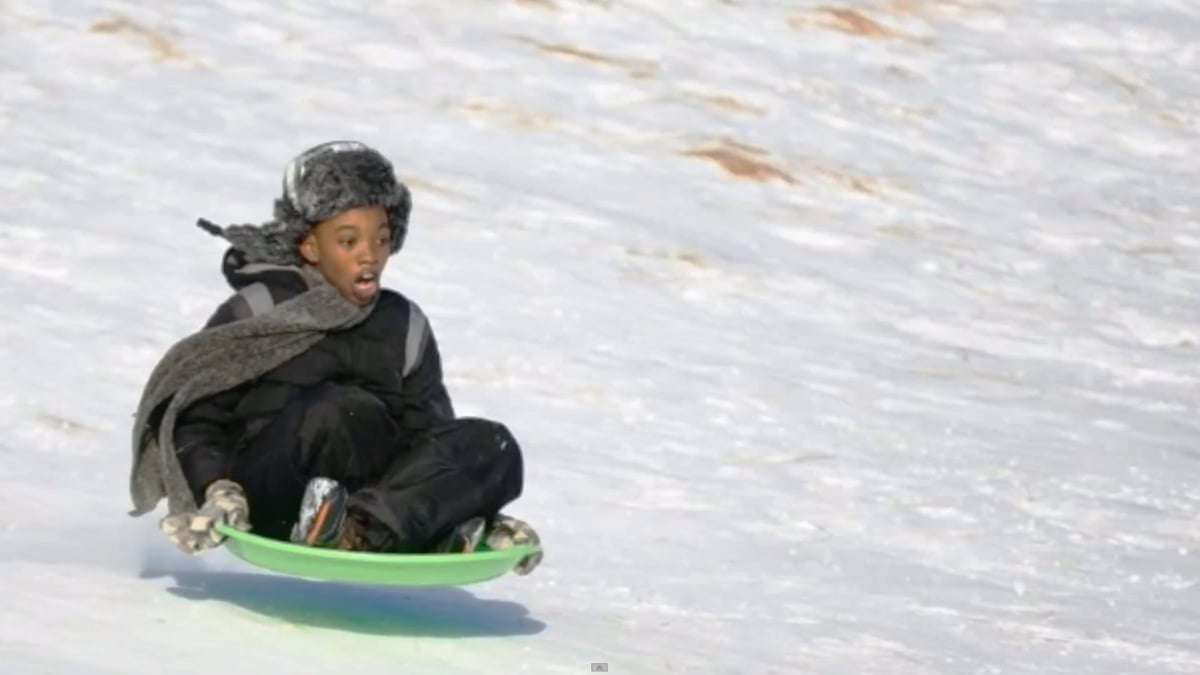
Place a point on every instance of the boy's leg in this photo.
(464, 468)
(340, 432)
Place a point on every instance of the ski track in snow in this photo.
(839, 337)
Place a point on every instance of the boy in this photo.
(312, 403)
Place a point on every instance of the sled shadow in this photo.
(432, 611)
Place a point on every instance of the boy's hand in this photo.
(196, 532)
(506, 532)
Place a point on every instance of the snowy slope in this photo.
(839, 338)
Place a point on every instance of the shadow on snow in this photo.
(428, 611)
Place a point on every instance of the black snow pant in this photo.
(411, 495)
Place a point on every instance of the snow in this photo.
(839, 338)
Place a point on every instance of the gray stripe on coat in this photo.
(414, 343)
(258, 296)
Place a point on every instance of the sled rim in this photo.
(514, 553)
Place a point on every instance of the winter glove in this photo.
(196, 532)
(507, 532)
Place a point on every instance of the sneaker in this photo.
(324, 521)
(463, 539)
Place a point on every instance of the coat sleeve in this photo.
(425, 401)
(203, 440)
(203, 435)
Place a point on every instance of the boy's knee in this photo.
(509, 465)
(500, 457)
(489, 434)
(503, 440)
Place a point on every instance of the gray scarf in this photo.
(215, 360)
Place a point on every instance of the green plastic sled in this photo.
(398, 569)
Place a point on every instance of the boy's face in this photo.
(351, 249)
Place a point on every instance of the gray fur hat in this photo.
(321, 182)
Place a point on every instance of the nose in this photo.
(370, 253)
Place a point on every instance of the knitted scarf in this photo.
(215, 360)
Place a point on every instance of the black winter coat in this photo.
(391, 354)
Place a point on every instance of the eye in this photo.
(347, 243)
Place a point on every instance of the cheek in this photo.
(332, 264)
(345, 267)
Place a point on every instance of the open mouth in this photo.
(366, 285)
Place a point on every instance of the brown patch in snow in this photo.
(726, 103)
(856, 23)
(742, 161)
(865, 20)
(691, 258)
(64, 424)
(1173, 119)
(540, 4)
(900, 230)
(636, 68)
(853, 181)
(844, 20)
(161, 46)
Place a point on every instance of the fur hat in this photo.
(322, 181)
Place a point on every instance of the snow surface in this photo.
(848, 338)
